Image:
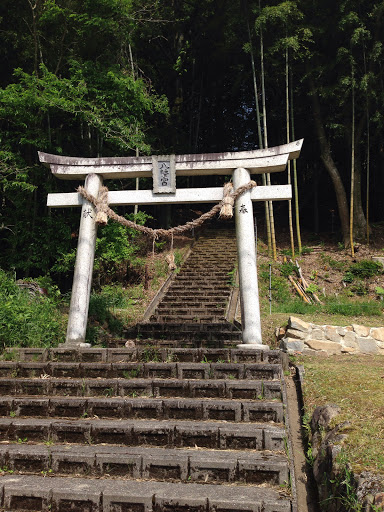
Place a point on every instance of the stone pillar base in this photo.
(253, 346)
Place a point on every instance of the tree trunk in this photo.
(326, 157)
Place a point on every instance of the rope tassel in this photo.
(101, 207)
(226, 211)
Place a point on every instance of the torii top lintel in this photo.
(257, 162)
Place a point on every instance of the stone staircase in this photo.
(144, 429)
(194, 309)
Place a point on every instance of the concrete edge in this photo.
(163, 289)
(290, 454)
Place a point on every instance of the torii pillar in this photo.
(239, 165)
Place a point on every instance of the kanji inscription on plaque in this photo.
(164, 174)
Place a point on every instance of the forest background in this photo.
(123, 77)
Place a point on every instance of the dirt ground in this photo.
(324, 260)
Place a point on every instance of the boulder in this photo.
(361, 330)
(332, 334)
(349, 339)
(329, 346)
(367, 345)
(298, 335)
(298, 324)
(378, 333)
(292, 345)
(322, 416)
(317, 334)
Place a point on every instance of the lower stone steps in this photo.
(185, 465)
(146, 353)
(216, 435)
(75, 494)
(186, 388)
(259, 409)
(11, 373)
(152, 428)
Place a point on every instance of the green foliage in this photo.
(28, 320)
(116, 245)
(339, 306)
(288, 268)
(365, 269)
(312, 288)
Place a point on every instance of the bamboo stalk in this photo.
(299, 291)
(295, 186)
(352, 166)
(260, 138)
(290, 220)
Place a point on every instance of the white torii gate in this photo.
(164, 169)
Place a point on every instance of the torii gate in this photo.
(164, 169)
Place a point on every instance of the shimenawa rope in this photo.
(225, 207)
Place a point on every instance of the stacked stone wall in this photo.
(309, 338)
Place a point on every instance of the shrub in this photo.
(287, 268)
(364, 269)
(28, 320)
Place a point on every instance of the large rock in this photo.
(332, 334)
(378, 333)
(349, 339)
(322, 416)
(292, 345)
(298, 335)
(298, 324)
(328, 346)
(361, 330)
(317, 334)
(367, 346)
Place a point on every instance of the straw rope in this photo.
(103, 211)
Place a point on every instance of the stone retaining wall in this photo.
(339, 488)
(308, 338)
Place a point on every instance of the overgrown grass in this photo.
(283, 301)
(26, 319)
(356, 384)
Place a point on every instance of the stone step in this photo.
(148, 353)
(150, 408)
(62, 494)
(208, 466)
(129, 370)
(199, 294)
(194, 388)
(177, 327)
(203, 286)
(192, 271)
(217, 435)
(202, 277)
(188, 318)
(191, 304)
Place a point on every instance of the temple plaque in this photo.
(164, 174)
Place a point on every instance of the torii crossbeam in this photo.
(164, 169)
